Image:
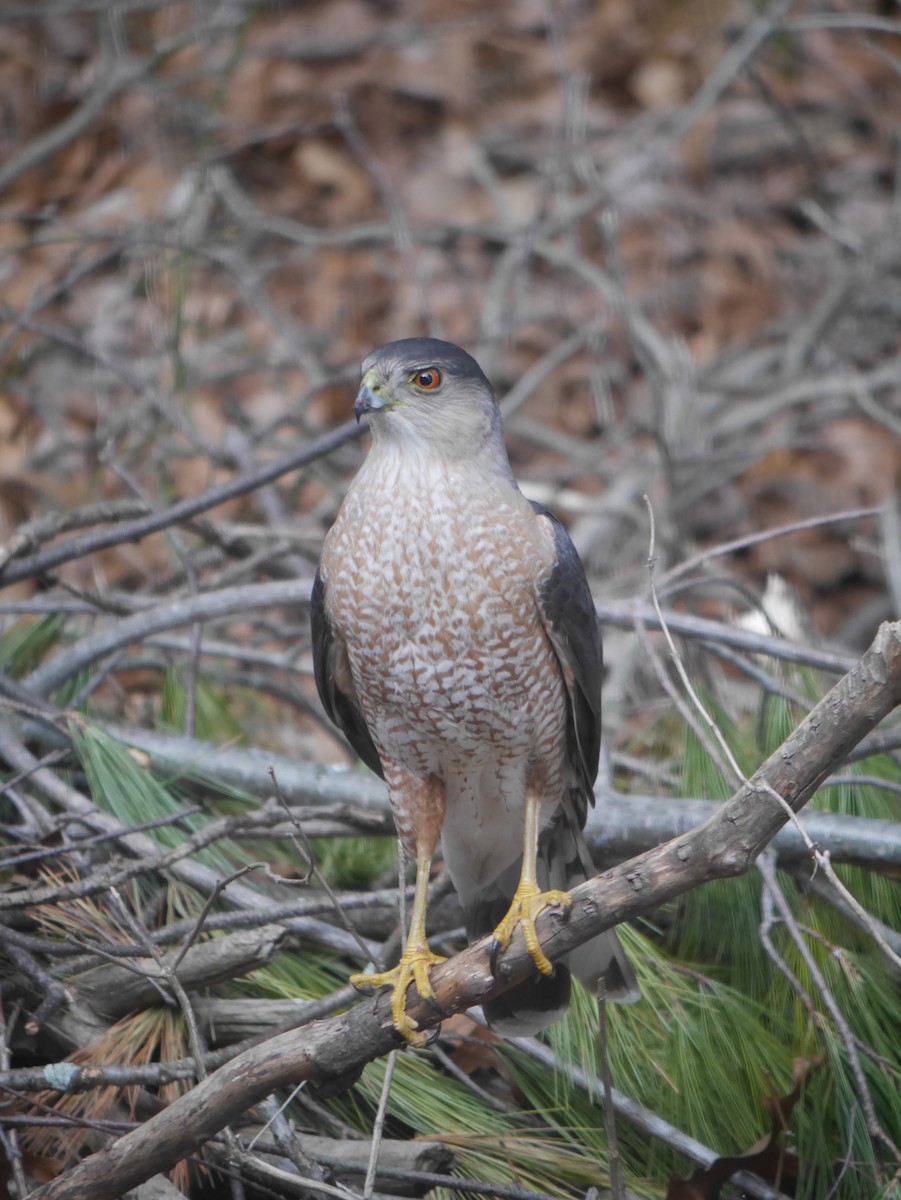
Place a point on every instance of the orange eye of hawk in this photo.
(428, 380)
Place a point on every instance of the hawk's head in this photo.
(422, 391)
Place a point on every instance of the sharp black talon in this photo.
(492, 957)
(436, 1007)
(433, 1034)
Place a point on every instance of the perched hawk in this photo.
(456, 646)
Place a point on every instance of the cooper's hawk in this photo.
(456, 646)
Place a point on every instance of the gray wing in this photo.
(569, 617)
(568, 612)
(334, 684)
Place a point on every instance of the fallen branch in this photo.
(112, 990)
(618, 827)
(196, 874)
(332, 1053)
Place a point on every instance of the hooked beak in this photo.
(371, 397)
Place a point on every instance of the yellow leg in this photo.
(414, 965)
(528, 900)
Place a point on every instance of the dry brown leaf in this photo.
(768, 1158)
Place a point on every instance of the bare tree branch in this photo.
(133, 530)
(333, 1053)
(619, 826)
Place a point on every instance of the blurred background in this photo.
(669, 231)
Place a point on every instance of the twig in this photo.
(614, 1166)
(868, 924)
(55, 995)
(532, 379)
(202, 607)
(724, 846)
(193, 873)
(731, 64)
(298, 836)
(465, 1078)
(98, 839)
(378, 1127)
(699, 628)
(765, 929)
(131, 531)
(855, 22)
(755, 539)
(119, 987)
(769, 684)
(767, 870)
(9, 1140)
(630, 822)
(67, 1077)
(49, 525)
(400, 225)
(858, 914)
(846, 1157)
(167, 971)
(820, 860)
(647, 1122)
(890, 529)
(288, 1183)
(475, 1187)
(117, 78)
(722, 758)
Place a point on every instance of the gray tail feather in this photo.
(563, 862)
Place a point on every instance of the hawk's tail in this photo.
(563, 862)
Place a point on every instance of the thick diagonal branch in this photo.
(334, 1052)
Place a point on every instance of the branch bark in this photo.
(332, 1053)
(620, 826)
(139, 527)
(112, 990)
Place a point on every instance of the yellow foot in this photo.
(413, 968)
(528, 902)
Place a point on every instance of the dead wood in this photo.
(112, 990)
(619, 826)
(331, 1054)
